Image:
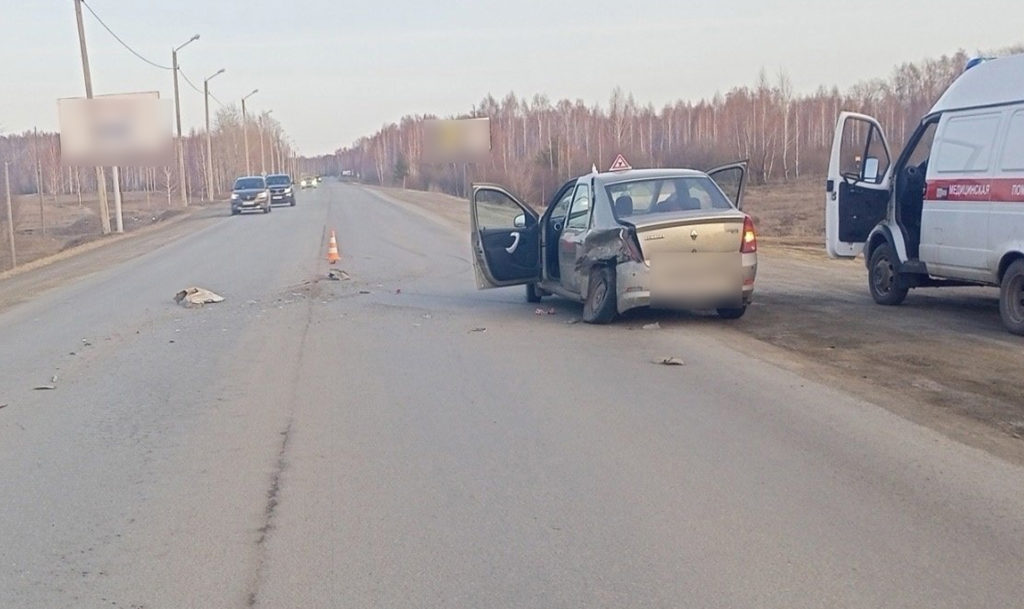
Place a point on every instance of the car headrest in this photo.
(624, 206)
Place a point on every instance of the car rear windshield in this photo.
(249, 183)
(662, 195)
(278, 180)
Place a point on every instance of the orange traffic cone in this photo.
(332, 249)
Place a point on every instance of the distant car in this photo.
(281, 191)
(250, 193)
(664, 238)
(308, 182)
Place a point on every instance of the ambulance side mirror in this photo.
(870, 171)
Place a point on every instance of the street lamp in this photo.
(209, 138)
(263, 157)
(245, 132)
(177, 118)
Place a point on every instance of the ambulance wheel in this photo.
(1011, 298)
(884, 280)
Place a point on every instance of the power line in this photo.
(197, 89)
(123, 43)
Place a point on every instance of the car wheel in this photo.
(731, 312)
(292, 204)
(532, 295)
(235, 212)
(600, 306)
(1011, 298)
(887, 285)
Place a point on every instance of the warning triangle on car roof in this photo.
(620, 164)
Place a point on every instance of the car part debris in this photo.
(364, 291)
(337, 275)
(654, 326)
(196, 297)
(478, 330)
(540, 311)
(3, 405)
(670, 361)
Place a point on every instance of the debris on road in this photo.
(398, 291)
(573, 322)
(539, 311)
(670, 361)
(196, 297)
(86, 343)
(3, 405)
(654, 326)
(364, 291)
(477, 330)
(50, 387)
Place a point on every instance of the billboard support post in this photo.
(10, 214)
(101, 178)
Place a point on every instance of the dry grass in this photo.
(64, 223)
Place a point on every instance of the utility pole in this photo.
(177, 119)
(263, 152)
(209, 139)
(245, 133)
(10, 214)
(101, 178)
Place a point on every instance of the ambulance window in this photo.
(1013, 152)
(923, 149)
(966, 143)
(862, 156)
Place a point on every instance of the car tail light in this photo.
(749, 243)
(632, 244)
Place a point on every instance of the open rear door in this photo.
(505, 237)
(731, 179)
(857, 190)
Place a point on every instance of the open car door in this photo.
(505, 237)
(731, 179)
(857, 190)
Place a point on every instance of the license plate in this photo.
(697, 278)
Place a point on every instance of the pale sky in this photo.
(333, 70)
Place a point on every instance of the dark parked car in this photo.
(250, 194)
(281, 191)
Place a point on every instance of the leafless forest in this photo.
(34, 158)
(538, 143)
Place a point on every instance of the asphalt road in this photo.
(402, 440)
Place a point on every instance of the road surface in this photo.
(402, 440)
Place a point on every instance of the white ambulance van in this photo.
(949, 210)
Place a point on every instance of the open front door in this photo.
(505, 237)
(857, 190)
(731, 179)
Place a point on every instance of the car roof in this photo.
(991, 83)
(248, 177)
(279, 175)
(614, 177)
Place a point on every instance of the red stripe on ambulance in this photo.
(1005, 190)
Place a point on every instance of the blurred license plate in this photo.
(695, 278)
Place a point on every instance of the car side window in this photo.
(579, 213)
(557, 215)
(496, 210)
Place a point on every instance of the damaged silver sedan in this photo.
(615, 241)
